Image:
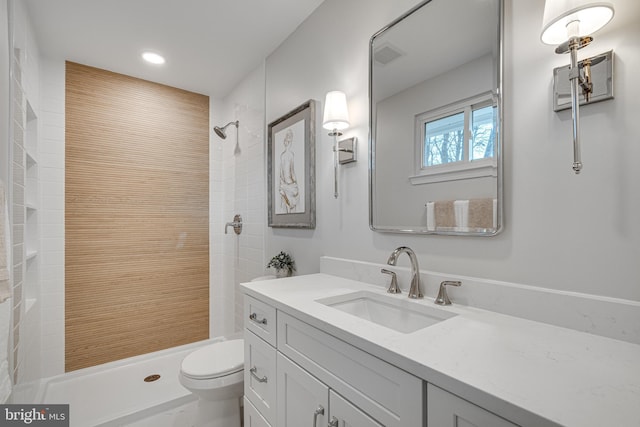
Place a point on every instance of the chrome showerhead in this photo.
(222, 131)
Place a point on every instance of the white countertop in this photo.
(531, 373)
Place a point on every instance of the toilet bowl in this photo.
(215, 373)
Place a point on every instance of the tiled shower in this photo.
(237, 186)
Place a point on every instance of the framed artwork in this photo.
(291, 169)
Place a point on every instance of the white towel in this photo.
(431, 216)
(5, 286)
(495, 214)
(461, 212)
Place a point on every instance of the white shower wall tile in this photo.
(51, 244)
(53, 119)
(233, 195)
(255, 242)
(52, 258)
(54, 132)
(49, 342)
(254, 216)
(52, 174)
(51, 230)
(51, 189)
(52, 104)
(53, 299)
(52, 147)
(55, 202)
(53, 363)
(52, 164)
(50, 275)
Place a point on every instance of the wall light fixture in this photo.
(568, 24)
(336, 119)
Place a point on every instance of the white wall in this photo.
(52, 175)
(237, 184)
(25, 124)
(566, 232)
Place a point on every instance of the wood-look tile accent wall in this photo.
(136, 217)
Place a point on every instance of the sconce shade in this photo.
(558, 14)
(336, 115)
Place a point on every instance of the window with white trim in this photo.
(456, 142)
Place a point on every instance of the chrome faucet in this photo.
(414, 291)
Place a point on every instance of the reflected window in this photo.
(454, 140)
(483, 135)
(444, 140)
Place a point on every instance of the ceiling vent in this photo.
(386, 53)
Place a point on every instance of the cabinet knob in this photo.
(333, 422)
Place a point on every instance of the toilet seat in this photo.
(214, 360)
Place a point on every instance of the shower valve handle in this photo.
(236, 224)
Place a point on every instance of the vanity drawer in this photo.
(260, 375)
(260, 318)
(388, 394)
(252, 417)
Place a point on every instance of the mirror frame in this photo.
(499, 134)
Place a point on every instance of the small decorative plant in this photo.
(283, 264)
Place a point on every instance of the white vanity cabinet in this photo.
(448, 410)
(386, 394)
(259, 362)
(320, 379)
(306, 401)
(253, 418)
(345, 414)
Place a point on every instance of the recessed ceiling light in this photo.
(153, 58)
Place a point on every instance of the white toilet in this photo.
(215, 373)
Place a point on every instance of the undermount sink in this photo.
(400, 315)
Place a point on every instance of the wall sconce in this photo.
(336, 119)
(568, 25)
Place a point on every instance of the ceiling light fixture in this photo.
(153, 58)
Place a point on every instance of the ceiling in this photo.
(209, 45)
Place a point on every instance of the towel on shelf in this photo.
(431, 221)
(5, 287)
(482, 214)
(461, 213)
(444, 214)
(495, 214)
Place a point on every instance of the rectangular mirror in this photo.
(435, 93)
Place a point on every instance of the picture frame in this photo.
(291, 169)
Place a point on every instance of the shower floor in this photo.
(115, 394)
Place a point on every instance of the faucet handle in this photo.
(393, 287)
(443, 298)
